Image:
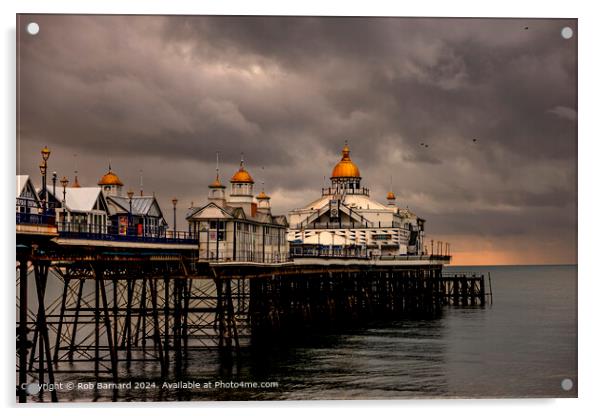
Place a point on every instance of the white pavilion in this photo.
(345, 221)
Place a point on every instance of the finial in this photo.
(262, 179)
(75, 181)
(217, 166)
(141, 182)
(109, 165)
(345, 151)
(242, 159)
(390, 194)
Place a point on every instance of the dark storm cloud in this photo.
(164, 93)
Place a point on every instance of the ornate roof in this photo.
(216, 183)
(262, 195)
(345, 168)
(110, 178)
(242, 176)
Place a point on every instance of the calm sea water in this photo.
(523, 345)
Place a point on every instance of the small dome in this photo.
(345, 168)
(262, 195)
(390, 196)
(242, 176)
(216, 183)
(110, 178)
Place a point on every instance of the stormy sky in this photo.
(160, 95)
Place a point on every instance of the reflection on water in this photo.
(523, 346)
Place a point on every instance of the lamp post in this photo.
(64, 182)
(54, 178)
(130, 219)
(43, 168)
(174, 202)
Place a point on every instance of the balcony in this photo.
(349, 225)
(35, 219)
(347, 191)
(159, 235)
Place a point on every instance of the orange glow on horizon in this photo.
(469, 250)
(483, 258)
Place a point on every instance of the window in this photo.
(214, 233)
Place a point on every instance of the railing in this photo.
(357, 252)
(427, 257)
(35, 219)
(348, 225)
(333, 191)
(129, 234)
(246, 258)
(32, 203)
(328, 251)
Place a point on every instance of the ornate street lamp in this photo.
(130, 196)
(64, 182)
(174, 201)
(43, 172)
(43, 168)
(45, 153)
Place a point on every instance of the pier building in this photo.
(81, 209)
(238, 226)
(346, 221)
(28, 201)
(132, 214)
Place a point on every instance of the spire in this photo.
(262, 179)
(217, 193)
(217, 165)
(242, 176)
(216, 183)
(75, 181)
(390, 194)
(346, 151)
(141, 182)
(262, 195)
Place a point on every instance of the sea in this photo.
(521, 345)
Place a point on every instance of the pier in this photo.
(103, 283)
(118, 302)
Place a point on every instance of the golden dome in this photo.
(345, 168)
(110, 179)
(216, 183)
(262, 195)
(390, 196)
(242, 176)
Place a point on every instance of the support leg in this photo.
(23, 344)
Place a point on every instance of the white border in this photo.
(590, 34)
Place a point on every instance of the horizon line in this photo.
(518, 264)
